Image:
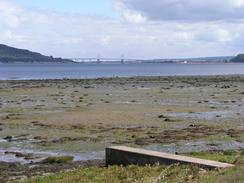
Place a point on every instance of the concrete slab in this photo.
(122, 155)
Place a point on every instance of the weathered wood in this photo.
(121, 155)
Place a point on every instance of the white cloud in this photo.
(216, 35)
(9, 14)
(238, 3)
(134, 17)
(134, 34)
(187, 10)
(105, 40)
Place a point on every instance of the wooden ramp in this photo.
(122, 155)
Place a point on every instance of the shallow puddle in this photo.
(40, 155)
(210, 115)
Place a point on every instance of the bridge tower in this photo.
(122, 59)
(98, 59)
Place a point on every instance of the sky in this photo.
(98, 7)
(139, 29)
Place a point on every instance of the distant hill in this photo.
(13, 55)
(238, 58)
(216, 59)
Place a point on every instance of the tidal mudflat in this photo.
(79, 118)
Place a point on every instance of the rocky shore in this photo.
(74, 120)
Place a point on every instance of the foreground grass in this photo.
(114, 174)
(155, 174)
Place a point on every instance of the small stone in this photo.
(161, 116)
(8, 138)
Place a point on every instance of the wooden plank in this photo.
(122, 155)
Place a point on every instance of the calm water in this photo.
(77, 71)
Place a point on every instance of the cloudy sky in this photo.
(135, 28)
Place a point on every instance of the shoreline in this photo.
(127, 77)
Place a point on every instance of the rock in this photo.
(7, 117)
(152, 137)
(212, 144)
(8, 138)
(28, 156)
(225, 86)
(140, 141)
(168, 120)
(161, 116)
(40, 138)
(17, 154)
(58, 160)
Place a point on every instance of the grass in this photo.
(233, 175)
(155, 174)
(226, 157)
(119, 174)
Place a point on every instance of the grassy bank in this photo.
(151, 174)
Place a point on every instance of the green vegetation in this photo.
(238, 58)
(225, 157)
(155, 174)
(116, 174)
(12, 55)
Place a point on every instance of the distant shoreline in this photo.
(228, 76)
(127, 62)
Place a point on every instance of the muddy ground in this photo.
(18, 172)
(79, 118)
